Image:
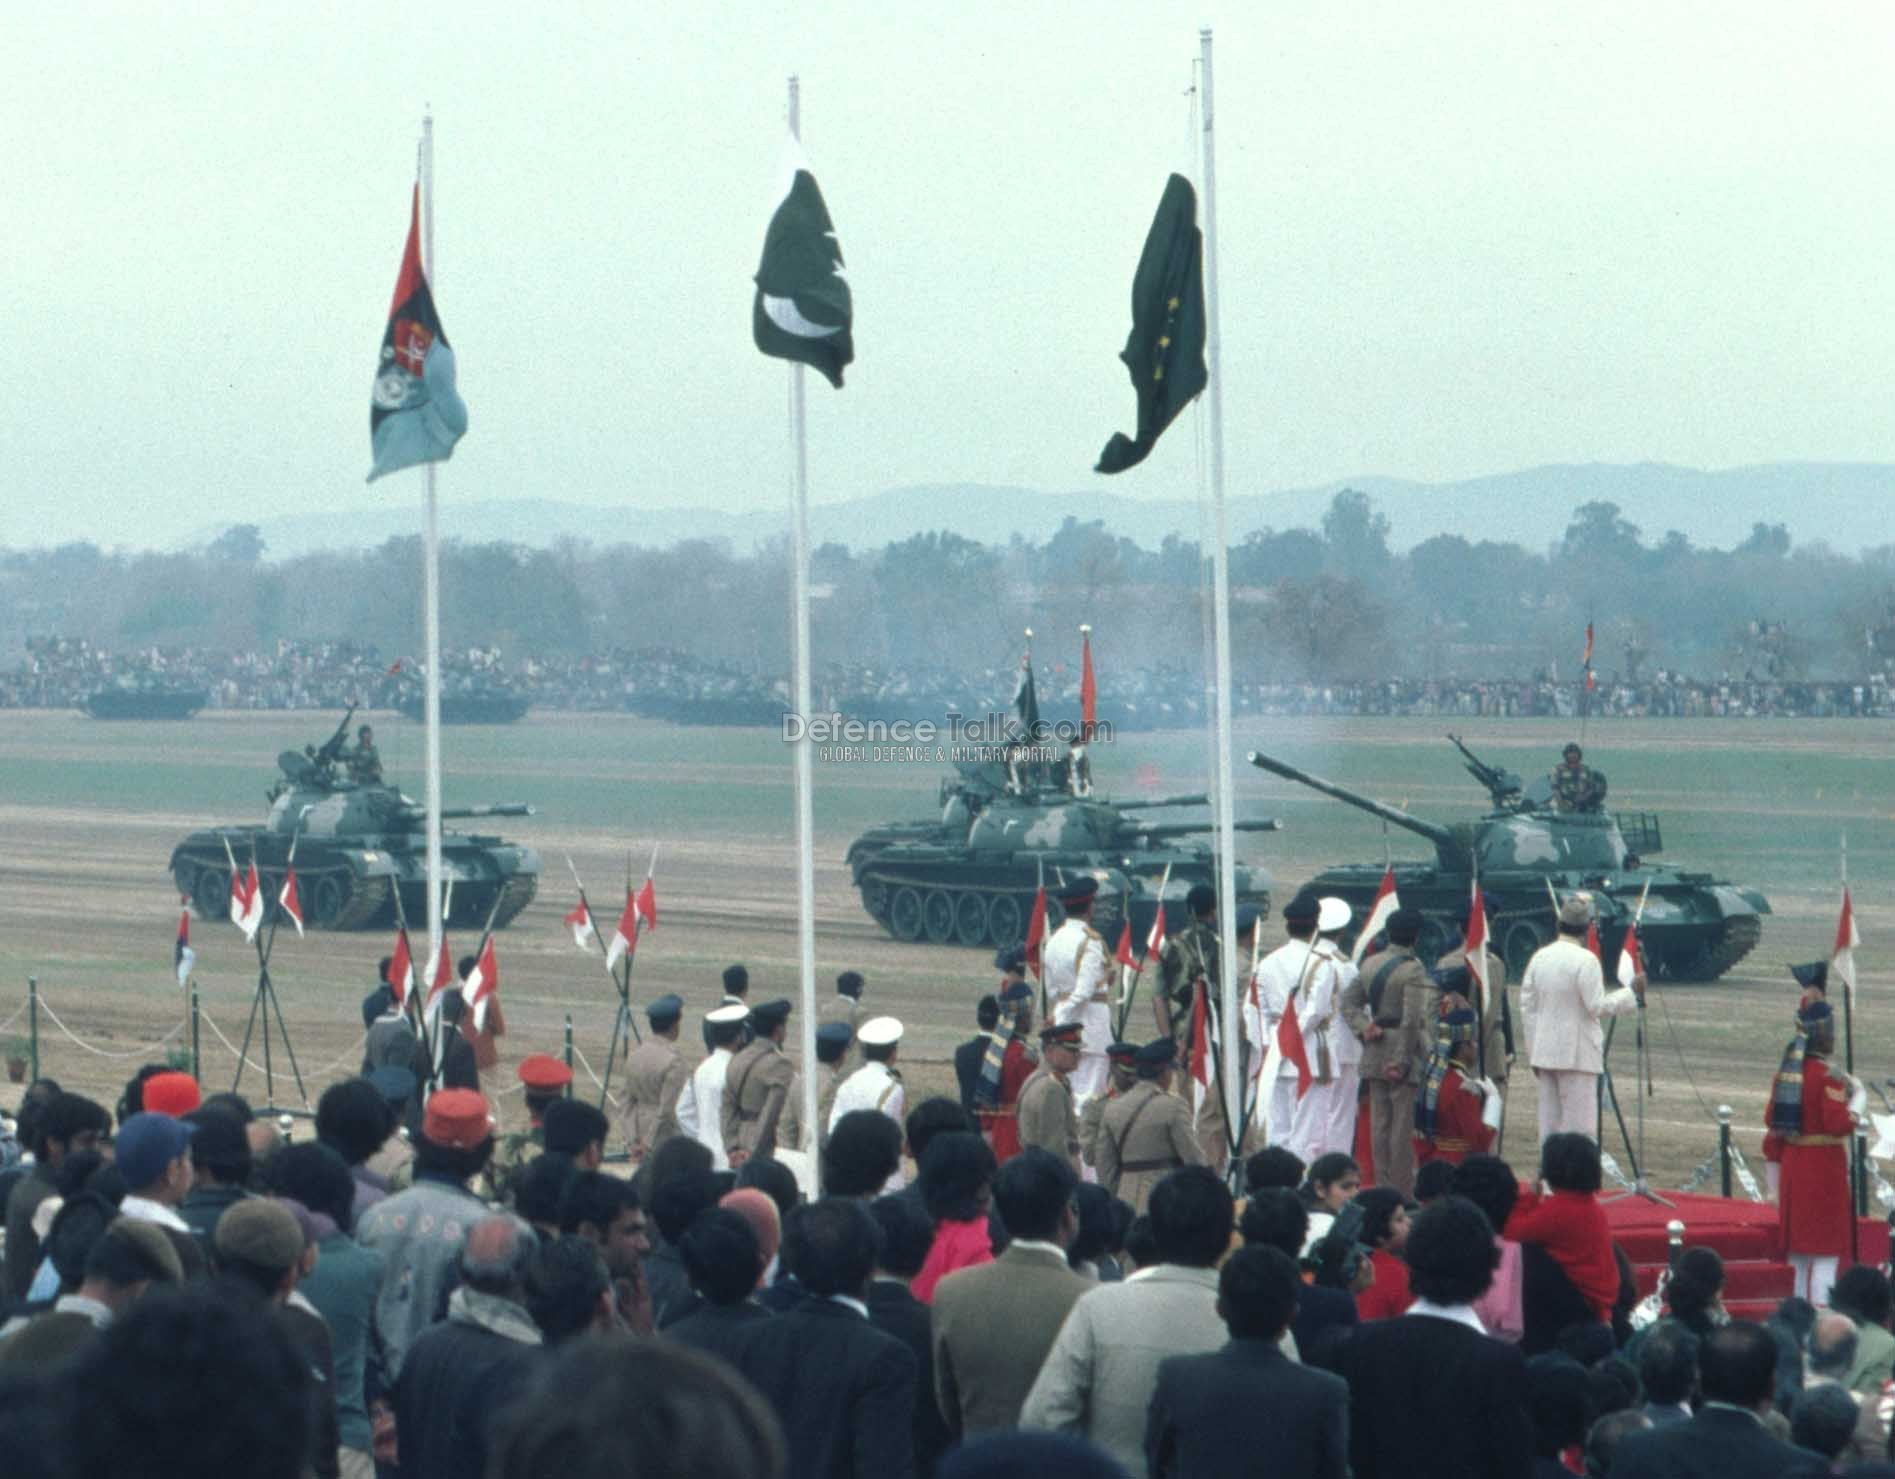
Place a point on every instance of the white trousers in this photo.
(1815, 1276)
(1089, 1078)
(1281, 1109)
(1569, 1102)
(1324, 1119)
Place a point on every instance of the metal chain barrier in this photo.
(1611, 1168)
(1701, 1176)
(1744, 1178)
(80, 1042)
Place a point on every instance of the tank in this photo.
(969, 877)
(355, 845)
(143, 701)
(475, 706)
(1694, 927)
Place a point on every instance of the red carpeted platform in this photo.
(1744, 1234)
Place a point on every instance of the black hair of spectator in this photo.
(774, 1179)
(1093, 1211)
(540, 1189)
(232, 1104)
(907, 1234)
(1489, 1183)
(1192, 1215)
(605, 1407)
(831, 1246)
(159, 1383)
(1273, 1166)
(678, 1201)
(451, 1160)
(564, 1284)
(77, 1170)
(678, 1156)
(1602, 1442)
(932, 1117)
(121, 1262)
(594, 1197)
(1122, 1219)
(1737, 1363)
(1863, 1294)
(1379, 1205)
(987, 1014)
(109, 1182)
(1586, 1342)
(1450, 1252)
(1696, 1281)
(1276, 1218)
(736, 980)
(1433, 1179)
(1824, 1419)
(864, 1150)
(314, 1174)
(131, 1100)
(721, 1256)
(572, 1124)
(1668, 1364)
(955, 1172)
(354, 1120)
(76, 1230)
(66, 1116)
(1327, 1170)
(1614, 1385)
(1559, 1401)
(221, 1146)
(1141, 1244)
(1256, 1292)
(1032, 1192)
(1570, 1162)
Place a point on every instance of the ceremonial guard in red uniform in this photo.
(1001, 1122)
(1814, 1112)
(1448, 1112)
(1814, 979)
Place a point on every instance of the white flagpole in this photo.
(431, 598)
(805, 815)
(1220, 594)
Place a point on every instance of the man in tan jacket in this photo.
(1121, 1056)
(757, 1086)
(655, 1074)
(1046, 1099)
(1389, 1007)
(1147, 1132)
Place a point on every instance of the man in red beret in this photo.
(420, 1231)
(545, 1079)
(172, 1093)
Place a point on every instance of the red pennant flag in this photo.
(1592, 939)
(1386, 903)
(1088, 685)
(442, 975)
(1200, 1048)
(1036, 930)
(1842, 960)
(183, 957)
(1123, 955)
(579, 921)
(290, 903)
(393, 668)
(1476, 946)
(1630, 965)
(401, 970)
(1289, 1041)
(1588, 658)
(249, 916)
(1155, 941)
(640, 913)
(482, 984)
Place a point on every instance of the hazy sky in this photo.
(1455, 238)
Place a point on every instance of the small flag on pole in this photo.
(393, 668)
(1587, 663)
(640, 914)
(1843, 959)
(1155, 940)
(415, 413)
(1289, 1039)
(290, 903)
(1088, 685)
(1592, 939)
(1476, 947)
(482, 984)
(1165, 351)
(1200, 1049)
(1123, 955)
(1387, 901)
(246, 902)
(1036, 930)
(803, 309)
(401, 969)
(183, 957)
(441, 975)
(579, 921)
(1631, 966)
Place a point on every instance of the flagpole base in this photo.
(1640, 1187)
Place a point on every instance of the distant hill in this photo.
(1843, 503)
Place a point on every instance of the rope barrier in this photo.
(230, 1046)
(617, 1103)
(80, 1042)
(18, 1013)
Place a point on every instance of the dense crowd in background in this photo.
(60, 673)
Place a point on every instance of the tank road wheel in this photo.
(904, 914)
(211, 893)
(875, 898)
(327, 899)
(970, 919)
(1006, 924)
(937, 916)
(1437, 938)
(1522, 940)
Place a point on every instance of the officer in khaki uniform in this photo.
(1122, 1076)
(846, 1003)
(1045, 1115)
(757, 1086)
(832, 1048)
(1146, 1133)
(1390, 1006)
(655, 1074)
(546, 1080)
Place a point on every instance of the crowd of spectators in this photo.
(59, 673)
(190, 1293)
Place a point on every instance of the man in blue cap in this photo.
(153, 1153)
(655, 1075)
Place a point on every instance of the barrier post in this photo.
(1724, 1147)
(32, 1023)
(569, 1052)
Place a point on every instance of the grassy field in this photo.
(89, 812)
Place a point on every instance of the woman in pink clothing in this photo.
(1488, 1182)
(957, 1183)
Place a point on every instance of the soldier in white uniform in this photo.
(701, 1105)
(1324, 1118)
(1279, 974)
(876, 1084)
(1073, 969)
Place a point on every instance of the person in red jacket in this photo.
(1814, 1112)
(1563, 1216)
(1385, 1230)
(1000, 1117)
(1448, 1124)
(1814, 979)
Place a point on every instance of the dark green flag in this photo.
(1165, 352)
(803, 311)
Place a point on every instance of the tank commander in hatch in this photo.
(363, 759)
(1576, 785)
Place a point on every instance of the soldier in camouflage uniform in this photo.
(1190, 956)
(1576, 785)
(546, 1080)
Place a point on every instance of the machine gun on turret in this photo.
(1506, 788)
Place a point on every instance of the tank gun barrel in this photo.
(1436, 833)
(1198, 799)
(417, 812)
(1185, 829)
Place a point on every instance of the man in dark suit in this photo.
(1276, 1218)
(971, 1054)
(1431, 1394)
(1668, 1372)
(843, 1390)
(723, 1262)
(1294, 1419)
(906, 1235)
(1737, 1373)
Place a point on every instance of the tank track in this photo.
(515, 894)
(1738, 938)
(368, 899)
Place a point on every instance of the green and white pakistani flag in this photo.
(803, 310)
(1165, 351)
